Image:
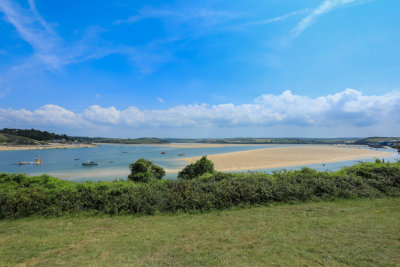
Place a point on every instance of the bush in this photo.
(22, 196)
(194, 170)
(144, 171)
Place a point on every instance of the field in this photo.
(344, 232)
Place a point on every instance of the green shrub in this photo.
(22, 196)
(194, 170)
(144, 171)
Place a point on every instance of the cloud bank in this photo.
(347, 108)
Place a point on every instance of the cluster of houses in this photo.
(393, 144)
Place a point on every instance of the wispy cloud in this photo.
(190, 15)
(349, 107)
(323, 8)
(160, 100)
(34, 31)
(52, 53)
(276, 19)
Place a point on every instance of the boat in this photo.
(37, 162)
(181, 154)
(124, 151)
(89, 163)
(163, 152)
(76, 158)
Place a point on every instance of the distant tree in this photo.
(144, 170)
(398, 149)
(197, 169)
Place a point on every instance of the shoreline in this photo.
(281, 157)
(38, 147)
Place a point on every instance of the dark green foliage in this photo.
(143, 171)
(194, 170)
(22, 196)
(34, 134)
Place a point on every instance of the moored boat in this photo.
(89, 163)
(37, 162)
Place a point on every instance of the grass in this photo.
(344, 232)
(9, 139)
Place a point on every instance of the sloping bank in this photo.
(22, 196)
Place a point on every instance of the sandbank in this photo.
(49, 146)
(288, 156)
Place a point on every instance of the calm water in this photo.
(114, 160)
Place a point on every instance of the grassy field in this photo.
(345, 232)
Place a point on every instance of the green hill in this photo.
(9, 139)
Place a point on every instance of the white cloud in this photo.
(324, 7)
(160, 100)
(349, 107)
(45, 115)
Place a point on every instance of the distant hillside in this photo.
(9, 139)
(374, 140)
(34, 134)
(126, 141)
(266, 140)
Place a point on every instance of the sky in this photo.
(201, 69)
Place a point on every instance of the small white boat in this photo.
(89, 163)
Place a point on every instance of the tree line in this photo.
(35, 134)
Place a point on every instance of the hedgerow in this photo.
(22, 196)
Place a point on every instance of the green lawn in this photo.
(345, 232)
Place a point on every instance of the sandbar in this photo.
(288, 156)
(49, 146)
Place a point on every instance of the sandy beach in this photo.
(49, 146)
(287, 156)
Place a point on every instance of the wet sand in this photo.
(287, 156)
(49, 146)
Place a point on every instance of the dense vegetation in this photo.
(194, 170)
(22, 196)
(34, 134)
(144, 171)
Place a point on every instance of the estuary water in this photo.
(114, 160)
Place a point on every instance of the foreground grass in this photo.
(344, 232)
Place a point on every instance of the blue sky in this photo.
(262, 68)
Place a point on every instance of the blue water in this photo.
(62, 163)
